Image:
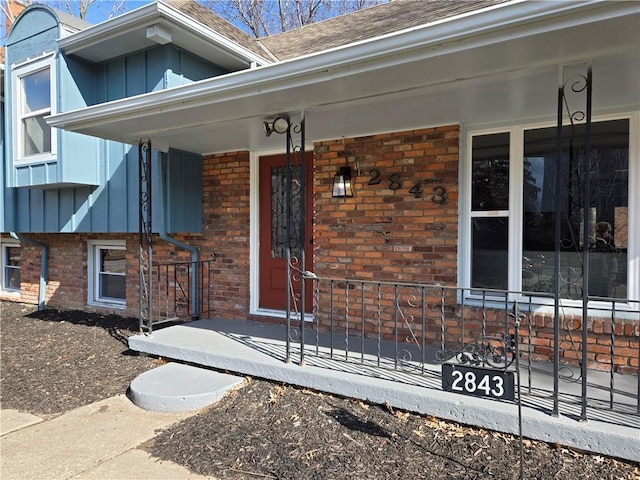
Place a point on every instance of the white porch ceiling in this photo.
(495, 81)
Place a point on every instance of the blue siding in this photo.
(33, 33)
(30, 37)
(114, 80)
(93, 185)
(184, 68)
(51, 217)
(184, 202)
(135, 75)
(36, 174)
(155, 67)
(77, 87)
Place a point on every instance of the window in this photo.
(514, 201)
(33, 100)
(11, 267)
(107, 273)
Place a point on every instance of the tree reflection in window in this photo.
(608, 200)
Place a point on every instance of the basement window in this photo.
(107, 273)
(11, 267)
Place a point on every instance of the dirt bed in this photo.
(55, 361)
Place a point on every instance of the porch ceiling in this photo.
(487, 78)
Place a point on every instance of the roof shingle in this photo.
(367, 23)
(209, 19)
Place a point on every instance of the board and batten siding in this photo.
(92, 185)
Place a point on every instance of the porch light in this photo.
(280, 125)
(342, 186)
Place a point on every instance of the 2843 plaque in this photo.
(478, 381)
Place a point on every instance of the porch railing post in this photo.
(288, 241)
(586, 197)
(145, 241)
(556, 253)
(302, 237)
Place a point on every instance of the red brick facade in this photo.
(400, 226)
(386, 232)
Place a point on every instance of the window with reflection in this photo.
(11, 268)
(608, 197)
(33, 98)
(497, 226)
(107, 273)
(489, 211)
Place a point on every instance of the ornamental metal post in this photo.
(575, 89)
(296, 243)
(302, 237)
(295, 191)
(145, 242)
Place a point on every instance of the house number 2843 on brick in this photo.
(478, 382)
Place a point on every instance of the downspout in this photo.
(43, 266)
(162, 161)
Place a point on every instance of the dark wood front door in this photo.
(273, 229)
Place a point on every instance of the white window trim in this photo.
(19, 71)
(3, 261)
(516, 160)
(93, 269)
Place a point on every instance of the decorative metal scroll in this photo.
(406, 307)
(496, 351)
(182, 276)
(145, 243)
(286, 201)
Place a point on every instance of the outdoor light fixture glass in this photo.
(342, 186)
(279, 124)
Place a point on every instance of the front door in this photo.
(273, 230)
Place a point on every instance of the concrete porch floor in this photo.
(259, 350)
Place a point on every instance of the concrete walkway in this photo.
(95, 442)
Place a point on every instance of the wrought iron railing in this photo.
(415, 329)
(181, 291)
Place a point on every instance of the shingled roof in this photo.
(367, 23)
(218, 24)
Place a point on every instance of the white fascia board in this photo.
(108, 29)
(500, 23)
(147, 15)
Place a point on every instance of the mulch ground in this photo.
(54, 361)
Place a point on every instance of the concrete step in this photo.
(175, 387)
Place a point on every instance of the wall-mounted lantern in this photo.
(342, 186)
(280, 125)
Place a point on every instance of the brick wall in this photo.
(386, 232)
(67, 282)
(226, 190)
(225, 241)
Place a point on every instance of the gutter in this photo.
(44, 262)
(195, 274)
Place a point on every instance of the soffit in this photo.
(493, 82)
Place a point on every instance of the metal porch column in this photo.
(145, 242)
